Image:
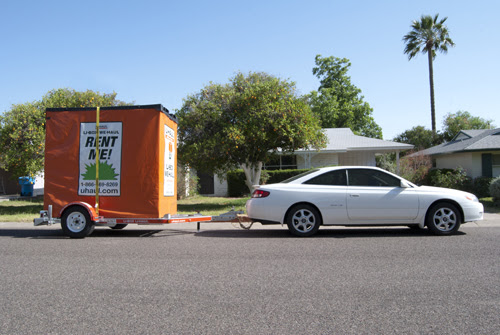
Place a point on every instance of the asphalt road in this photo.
(222, 280)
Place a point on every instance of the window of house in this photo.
(495, 164)
(281, 162)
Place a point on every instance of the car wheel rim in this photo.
(76, 222)
(445, 219)
(303, 221)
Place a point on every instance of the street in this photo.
(223, 280)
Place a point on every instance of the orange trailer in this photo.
(128, 152)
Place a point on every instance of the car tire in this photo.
(443, 219)
(76, 222)
(303, 220)
(119, 226)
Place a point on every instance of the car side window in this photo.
(367, 177)
(331, 178)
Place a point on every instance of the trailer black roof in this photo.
(158, 107)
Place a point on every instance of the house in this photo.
(346, 148)
(343, 148)
(8, 185)
(476, 151)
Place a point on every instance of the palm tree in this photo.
(428, 36)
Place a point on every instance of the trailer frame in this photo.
(80, 222)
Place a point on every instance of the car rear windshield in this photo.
(286, 181)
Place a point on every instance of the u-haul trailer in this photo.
(121, 158)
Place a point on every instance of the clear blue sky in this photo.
(160, 51)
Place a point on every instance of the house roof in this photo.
(468, 140)
(343, 140)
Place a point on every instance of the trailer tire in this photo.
(76, 222)
(119, 226)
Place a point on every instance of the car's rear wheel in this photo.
(303, 220)
(443, 219)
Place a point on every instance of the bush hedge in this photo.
(495, 189)
(187, 182)
(481, 186)
(457, 179)
(237, 187)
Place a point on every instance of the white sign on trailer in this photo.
(110, 158)
(169, 162)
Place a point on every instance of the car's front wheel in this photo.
(443, 219)
(303, 220)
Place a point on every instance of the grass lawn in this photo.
(210, 205)
(490, 206)
(20, 211)
(25, 211)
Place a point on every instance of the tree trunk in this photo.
(431, 82)
(252, 173)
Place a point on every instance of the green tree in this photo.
(338, 103)
(462, 120)
(420, 137)
(242, 123)
(428, 36)
(22, 128)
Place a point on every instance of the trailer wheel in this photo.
(76, 222)
(119, 226)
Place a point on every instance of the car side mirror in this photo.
(404, 184)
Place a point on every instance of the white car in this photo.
(357, 195)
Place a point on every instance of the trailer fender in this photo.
(91, 210)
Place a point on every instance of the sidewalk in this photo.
(7, 197)
(489, 220)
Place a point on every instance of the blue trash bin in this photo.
(26, 186)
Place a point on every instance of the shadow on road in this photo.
(338, 232)
(99, 232)
(322, 233)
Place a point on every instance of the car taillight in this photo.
(260, 194)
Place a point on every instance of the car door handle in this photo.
(354, 195)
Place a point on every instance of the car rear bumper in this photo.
(261, 211)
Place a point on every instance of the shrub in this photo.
(415, 168)
(236, 186)
(276, 176)
(495, 189)
(386, 162)
(187, 182)
(481, 187)
(449, 178)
